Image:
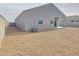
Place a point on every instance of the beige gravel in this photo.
(55, 42)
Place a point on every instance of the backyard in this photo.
(54, 42)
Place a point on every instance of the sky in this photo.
(11, 10)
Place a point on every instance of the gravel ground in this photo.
(59, 42)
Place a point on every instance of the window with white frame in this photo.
(72, 20)
(40, 22)
(77, 20)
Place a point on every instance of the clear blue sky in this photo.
(11, 10)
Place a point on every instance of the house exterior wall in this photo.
(71, 22)
(60, 23)
(30, 18)
(46, 23)
(20, 23)
(2, 29)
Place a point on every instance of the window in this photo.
(51, 22)
(77, 20)
(56, 18)
(40, 22)
(72, 20)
